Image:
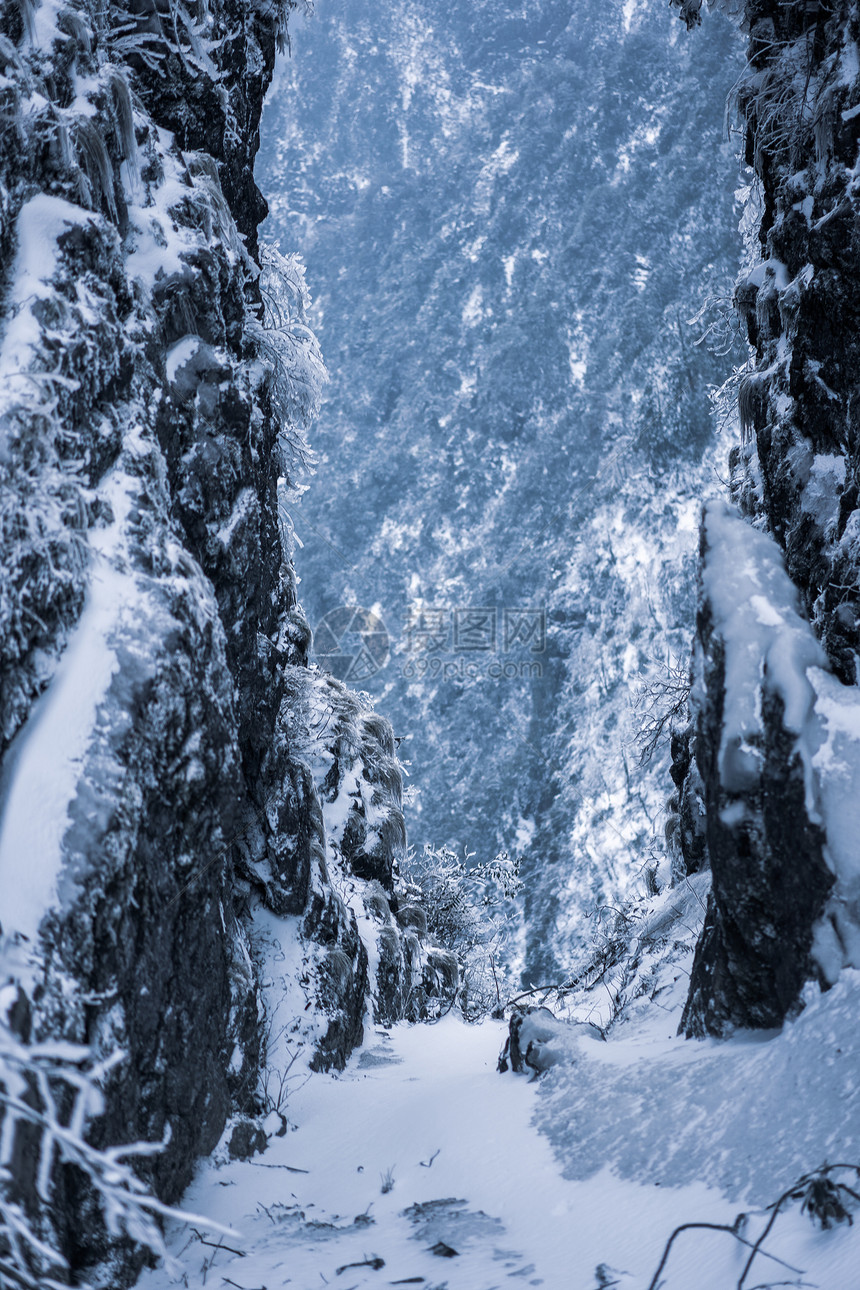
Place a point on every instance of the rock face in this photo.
(753, 705)
(782, 883)
(156, 378)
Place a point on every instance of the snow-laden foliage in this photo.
(470, 909)
(191, 32)
(278, 11)
(462, 899)
(176, 28)
(290, 351)
(49, 1094)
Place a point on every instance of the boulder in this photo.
(538, 1040)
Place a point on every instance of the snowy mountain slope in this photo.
(508, 217)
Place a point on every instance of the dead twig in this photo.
(375, 1262)
(718, 1227)
(219, 1246)
(258, 1164)
(820, 1198)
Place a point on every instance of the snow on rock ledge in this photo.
(767, 645)
(778, 749)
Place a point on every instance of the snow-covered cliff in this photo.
(775, 677)
(170, 765)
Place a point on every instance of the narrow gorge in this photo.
(576, 501)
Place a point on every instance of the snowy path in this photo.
(489, 1187)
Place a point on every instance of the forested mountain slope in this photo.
(509, 217)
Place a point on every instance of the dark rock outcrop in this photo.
(777, 873)
(801, 303)
(686, 822)
(767, 855)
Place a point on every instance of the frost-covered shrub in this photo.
(469, 909)
(145, 39)
(278, 11)
(661, 704)
(290, 351)
(49, 1092)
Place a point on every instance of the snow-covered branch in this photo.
(49, 1092)
(290, 351)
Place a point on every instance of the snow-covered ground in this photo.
(481, 1199)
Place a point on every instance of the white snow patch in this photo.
(41, 221)
(509, 263)
(849, 69)
(179, 354)
(805, 207)
(473, 310)
(630, 663)
(45, 760)
(156, 240)
(245, 505)
(757, 613)
(472, 250)
(578, 366)
(821, 494)
(773, 268)
(525, 832)
(642, 272)
(45, 22)
(468, 385)
(629, 10)
(688, 516)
